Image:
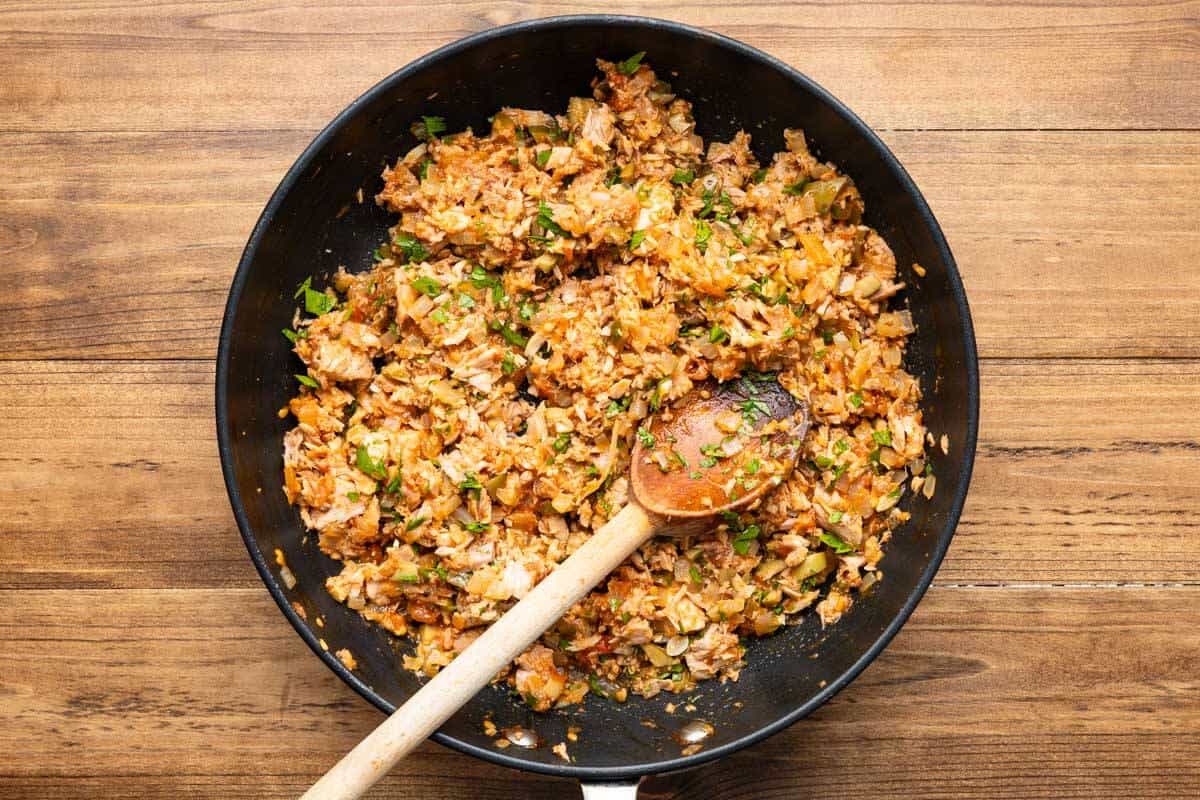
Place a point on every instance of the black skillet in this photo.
(313, 223)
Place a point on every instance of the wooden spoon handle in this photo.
(476, 666)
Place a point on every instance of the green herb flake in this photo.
(429, 128)
(823, 462)
(352, 496)
(369, 466)
(440, 317)
(300, 289)
(836, 516)
(856, 400)
(477, 527)
(393, 485)
(703, 234)
(759, 175)
(636, 239)
(510, 335)
(307, 381)
(717, 334)
(415, 523)
(839, 546)
(545, 218)
(542, 157)
(427, 286)
(414, 252)
(509, 364)
(841, 446)
(753, 467)
(294, 336)
(630, 65)
(754, 408)
(741, 542)
(646, 438)
(683, 177)
(480, 278)
(616, 407)
(796, 189)
(318, 303)
(423, 168)
(882, 436)
(694, 574)
(465, 300)
(562, 442)
(470, 483)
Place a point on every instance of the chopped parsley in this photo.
(856, 400)
(836, 516)
(882, 436)
(465, 300)
(562, 442)
(307, 381)
(415, 523)
(753, 467)
(317, 303)
(293, 336)
(759, 175)
(840, 446)
(703, 234)
(477, 527)
(510, 335)
(480, 278)
(470, 483)
(741, 542)
(630, 65)
(636, 239)
(542, 157)
(300, 289)
(616, 407)
(423, 168)
(796, 189)
(646, 438)
(717, 334)
(363, 460)
(509, 364)
(352, 496)
(683, 177)
(839, 546)
(545, 218)
(694, 574)
(754, 408)
(429, 128)
(414, 252)
(440, 317)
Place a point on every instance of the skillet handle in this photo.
(609, 791)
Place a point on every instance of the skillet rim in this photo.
(226, 439)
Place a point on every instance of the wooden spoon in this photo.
(719, 449)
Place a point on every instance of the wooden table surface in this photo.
(1058, 652)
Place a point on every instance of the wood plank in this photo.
(128, 66)
(1047, 273)
(1050, 693)
(1078, 477)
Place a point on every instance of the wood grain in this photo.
(1077, 478)
(1054, 692)
(1058, 141)
(85, 218)
(1053, 63)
